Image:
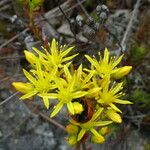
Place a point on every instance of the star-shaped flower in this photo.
(67, 92)
(55, 56)
(39, 82)
(105, 66)
(91, 125)
(109, 96)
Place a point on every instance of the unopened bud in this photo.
(78, 108)
(104, 130)
(72, 129)
(72, 140)
(30, 57)
(22, 87)
(98, 139)
(121, 72)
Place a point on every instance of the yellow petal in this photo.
(122, 101)
(106, 56)
(56, 109)
(115, 108)
(28, 95)
(117, 88)
(93, 92)
(116, 62)
(79, 94)
(39, 52)
(66, 51)
(81, 134)
(97, 114)
(114, 116)
(95, 133)
(29, 76)
(69, 58)
(48, 95)
(70, 108)
(79, 72)
(92, 61)
(54, 50)
(46, 102)
(67, 73)
(102, 123)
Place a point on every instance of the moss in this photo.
(140, 96)
(147, 146)
(138, 53)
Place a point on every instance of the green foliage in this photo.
(3, 29)
(94, 16)
(33, 4)
(138, 53)
(140, 96)
(147, 147)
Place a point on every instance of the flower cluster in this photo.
(90, 94)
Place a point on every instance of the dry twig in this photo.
(13, 38)
(9, 98)
(52, 121)
(129, 26)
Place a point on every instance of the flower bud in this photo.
(72, 140)
(22, 87)
(30, 57)
(121, 72)
(114, 116)
(104, 130)
(78, 108)
(72, 129)
(98, 139)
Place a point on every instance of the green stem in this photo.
(78, 146)
(83, 146)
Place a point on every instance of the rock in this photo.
(1, 134)
(65, 29)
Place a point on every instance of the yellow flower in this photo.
(56, 56)
(71, 87)
(82, 80)
(65, 95)
(105, 66)
(112, 95)
(41, 82)
(90, 125)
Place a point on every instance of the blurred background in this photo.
(123, 26)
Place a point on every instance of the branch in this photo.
(13, 38)
(9, 98)
(130, 24)
(84, 10)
